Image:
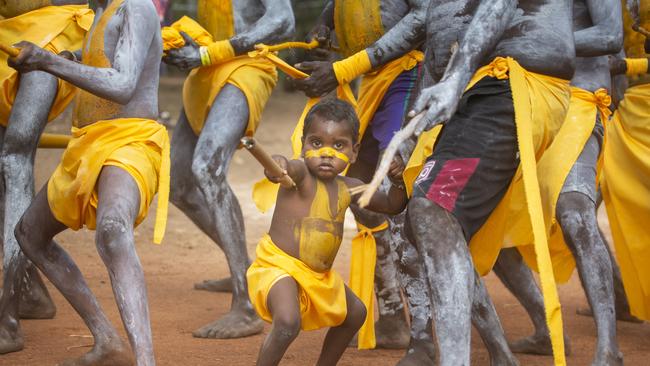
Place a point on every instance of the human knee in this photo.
(356, 314)
(25, 233)
(575, 211)
(286, 326)
(111, 232)
(209, 167)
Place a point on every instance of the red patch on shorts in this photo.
(450, 181)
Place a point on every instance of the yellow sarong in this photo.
(321, 294)
(540, 105)
(139, 146)
(553, 168)
(626, 192)
(54, 28)
(254, 76)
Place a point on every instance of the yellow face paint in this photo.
(326, 152)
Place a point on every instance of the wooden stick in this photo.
(11, 51)
(267, 161)
(384, 166)
(54, 141)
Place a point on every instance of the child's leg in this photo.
(283, 304)
(338, 338)
(117, 209)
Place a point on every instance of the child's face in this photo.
(323, 145)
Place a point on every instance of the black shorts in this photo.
(475, 156)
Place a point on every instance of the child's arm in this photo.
(394, 201)
(295, 169)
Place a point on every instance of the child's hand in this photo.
(283, 163)
(396, 169)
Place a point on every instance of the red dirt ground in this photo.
(188, 256)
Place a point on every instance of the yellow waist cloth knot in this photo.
(362, 278)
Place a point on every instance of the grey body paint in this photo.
(24, 293)
(133, 46)
(538, 34)
(598, 32)
(200, 164)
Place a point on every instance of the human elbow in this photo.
(614, 42)
(285, 26)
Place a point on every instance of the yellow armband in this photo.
(217, 52)
(636, 66)
(352, 67)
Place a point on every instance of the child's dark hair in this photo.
(336, 110)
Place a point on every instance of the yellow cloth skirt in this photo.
(626, 192)
(321, 294)
(139, 146)
(255, 77)
(55, 28)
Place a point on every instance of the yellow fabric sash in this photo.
(540, 104)
(322, 294)
(373, 88)
(216, 16)
(71, 189)
(626, 192)
(357, 24)
(362, 278)
(633, 41)
(172, 38)
(54, 28)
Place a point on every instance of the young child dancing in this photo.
(291, 283)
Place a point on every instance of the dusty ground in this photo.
(188, 256)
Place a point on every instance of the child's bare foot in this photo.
(11, 337)
(221, 285)
(115, 353)
(420, 353)
(236, 324)
(623, 316)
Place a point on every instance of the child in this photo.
(291, 282)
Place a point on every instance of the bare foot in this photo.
(236, 324)
(622, 316)
(420, 353)
(537, 345)
(11, 337)
(222, 285)
(35, 302)
(608, 358)
(391, 332)
(113, 354)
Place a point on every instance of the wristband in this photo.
(219, 52)
(352, 67)
(205, 56)
(636, 66)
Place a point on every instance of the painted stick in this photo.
(384, 165)
(11, 51)
(267, 161)
(54, 141)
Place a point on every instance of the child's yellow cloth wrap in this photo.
(322, 294)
